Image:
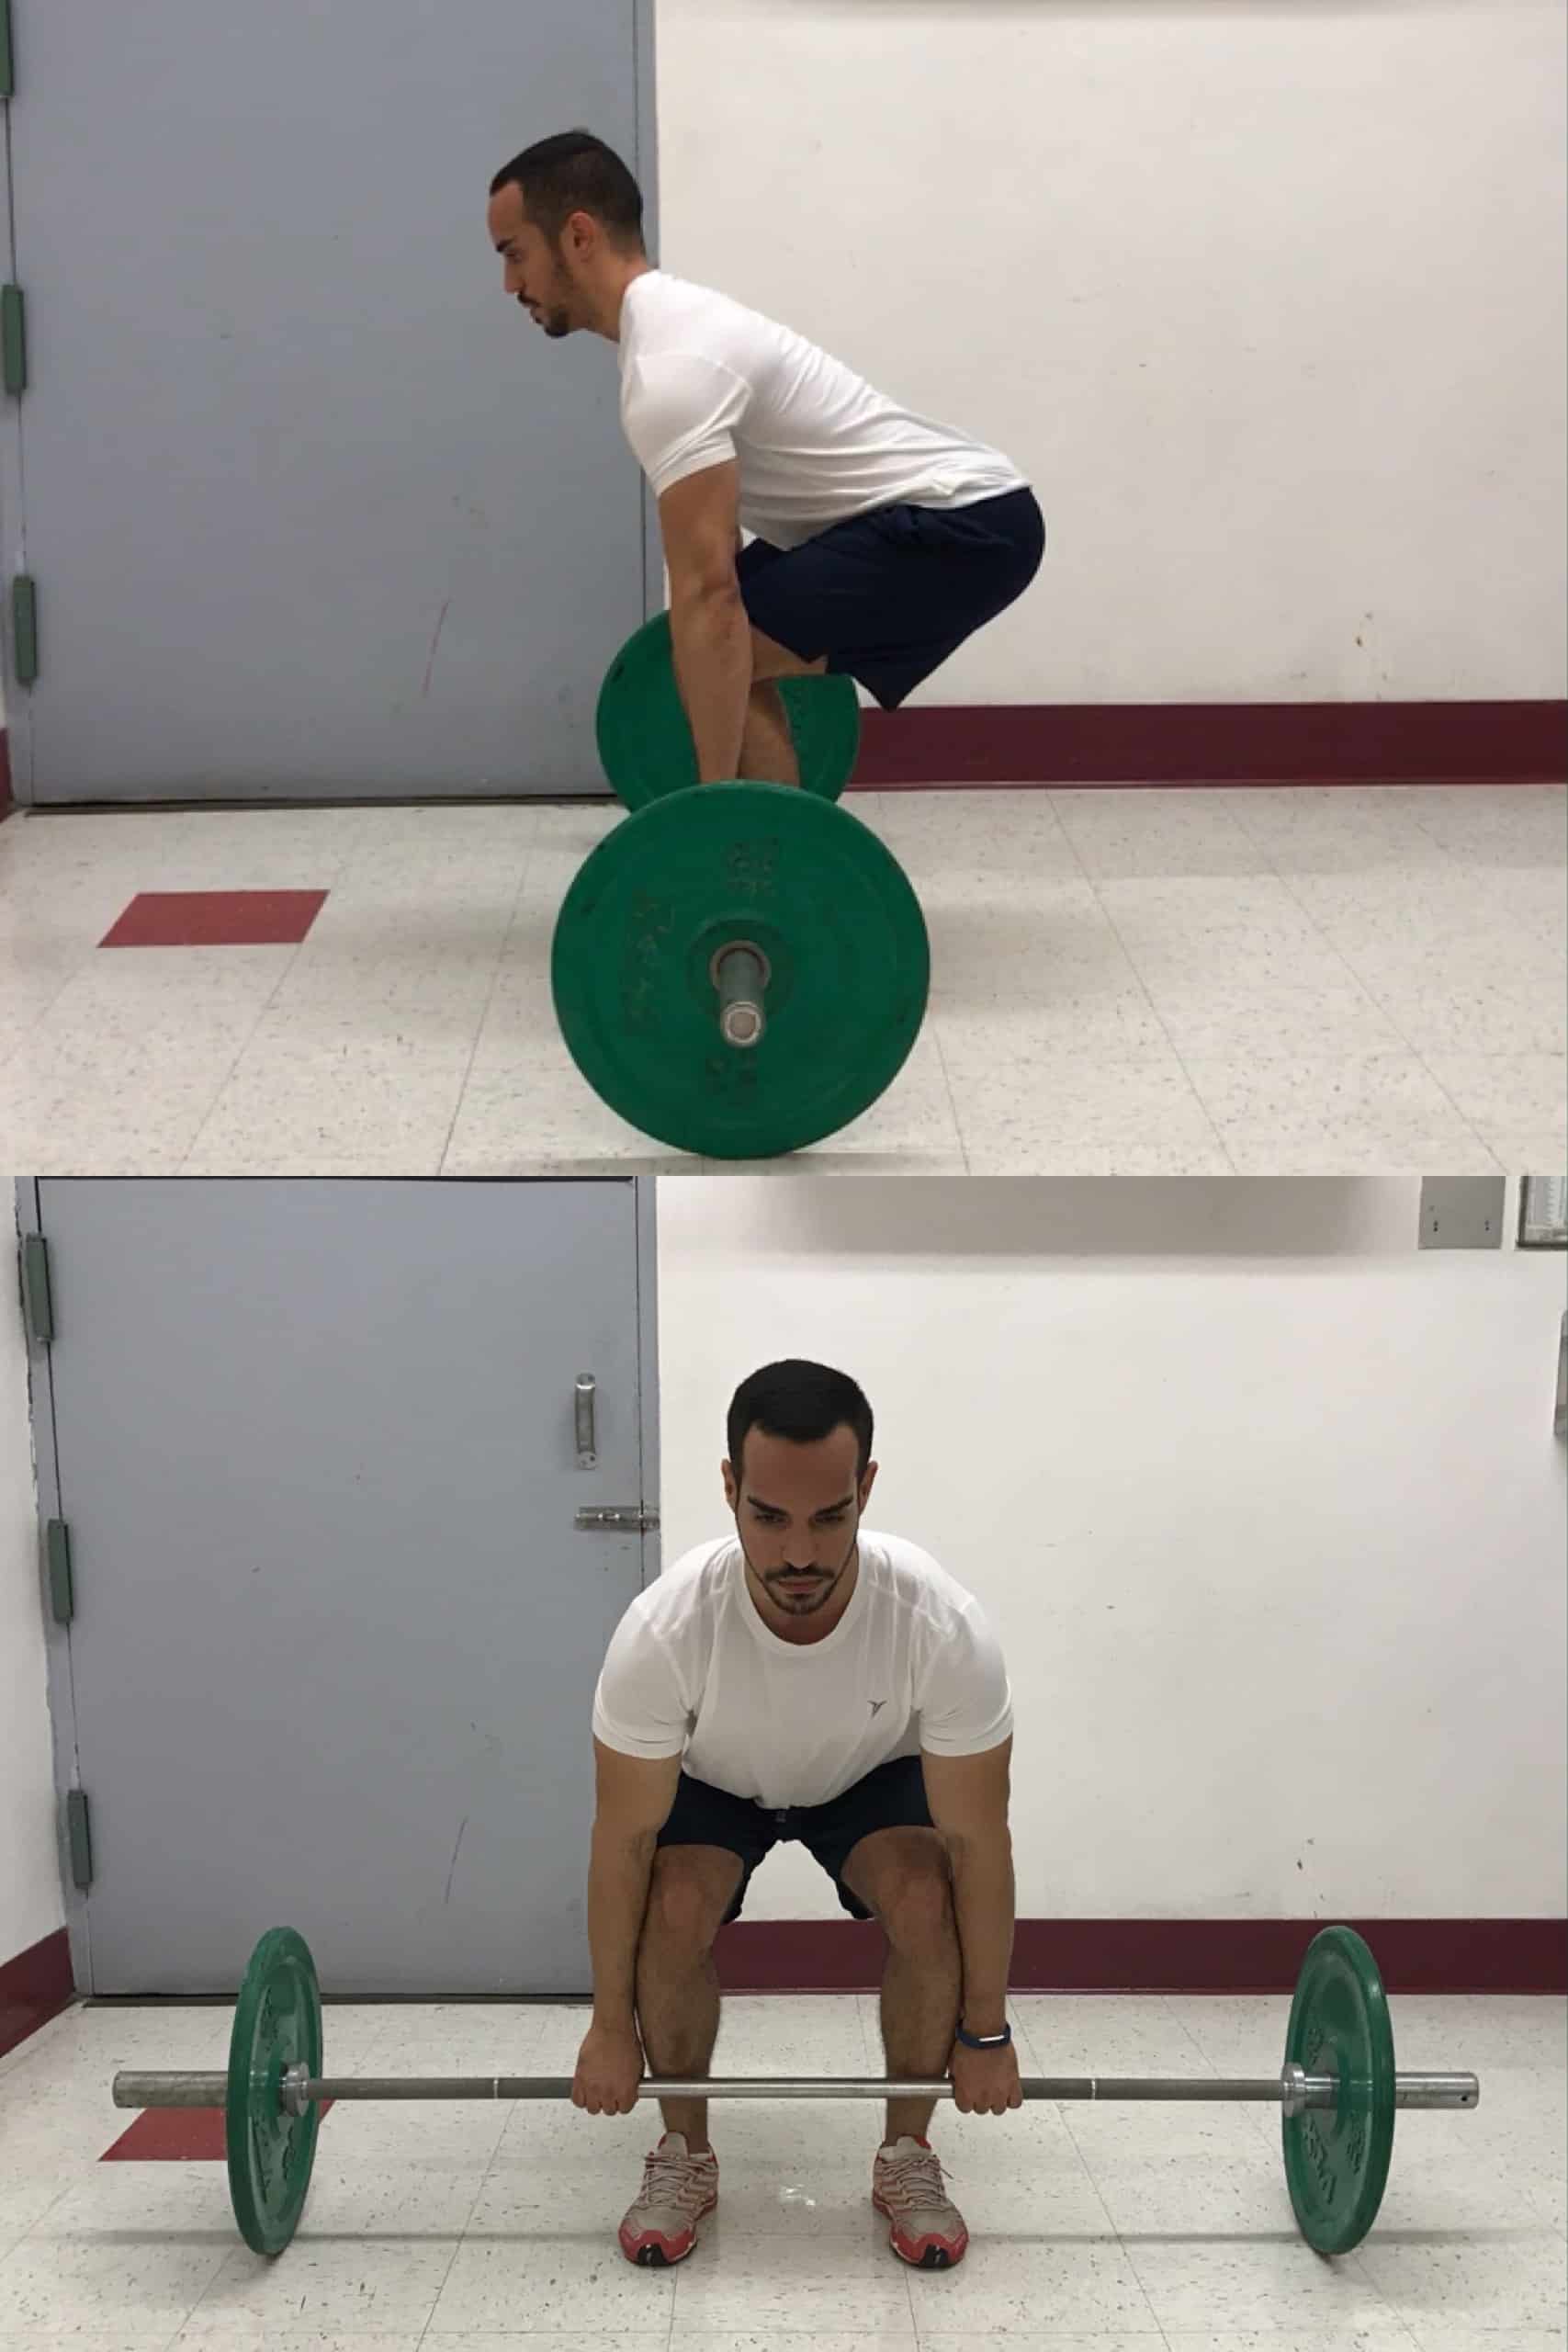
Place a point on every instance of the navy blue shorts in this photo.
(893, 1796)
(888, 595)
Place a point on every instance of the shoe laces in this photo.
(912, 2181)
(672, 2179)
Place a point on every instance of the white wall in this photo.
(32, 1905)
(1267, 297)
(1272, 1523)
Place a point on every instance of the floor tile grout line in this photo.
(248, 1041)
(193, 1144)
(1110, 920)
(952, 1099)
(1115, 930)
(42, 1013)
(1212, 1125)
(212, 1110)
(460, 2239)
(1421, 821)
(1383, 1011)
(445, 1153)
(1473, 1133)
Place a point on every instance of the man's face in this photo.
(798, 1512)
(533, 275)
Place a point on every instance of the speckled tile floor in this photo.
(478, 2229)
(1276, 981)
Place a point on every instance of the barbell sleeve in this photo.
(741, 977)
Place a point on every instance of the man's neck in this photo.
(632, 276)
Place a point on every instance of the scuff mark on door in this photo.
(452, 1873)
(430, 665)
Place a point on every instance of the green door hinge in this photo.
(37, 1293)
(24, 629)
(13, 340)
(79, 1836)
(8, 66)
(57, 1555)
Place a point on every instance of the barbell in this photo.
(1337, 2091)
(738, 969)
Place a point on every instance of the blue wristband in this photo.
(1002, 2041)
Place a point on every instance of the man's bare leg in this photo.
(767, 749)
(678, 1992)
(921, 1989)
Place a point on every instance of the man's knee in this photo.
(690, 1892)
(905, 1877)
(917, 1915)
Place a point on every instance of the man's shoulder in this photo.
(912, 1577)
(682, 320)
(688, 1585)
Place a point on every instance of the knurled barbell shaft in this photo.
(166, 2090)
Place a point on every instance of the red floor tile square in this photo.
(174, 2135)
(216, 918)
(170, 2135)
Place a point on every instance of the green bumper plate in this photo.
(1336, 2160)
(278, 2024)
(645, 741)
(830, 909)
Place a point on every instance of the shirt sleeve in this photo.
(639, 1708)
(965, 1699)
(682, 414)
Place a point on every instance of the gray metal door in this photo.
(310, 510)
(334, 1631)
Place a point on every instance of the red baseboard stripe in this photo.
(1166, 1955)
(34, 1987)
(1049, 1956)
(1198, 743)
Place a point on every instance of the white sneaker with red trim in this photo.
(660, 2225)
(927, 2228)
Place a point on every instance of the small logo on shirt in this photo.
(876, 1706)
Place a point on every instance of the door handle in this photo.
(583, 1398)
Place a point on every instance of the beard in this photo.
(802, 1604)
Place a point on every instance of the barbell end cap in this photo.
(743, 1024)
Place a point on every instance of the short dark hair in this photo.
(571, 172)
(801, 1402)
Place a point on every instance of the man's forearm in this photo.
(711, 641)
(983, 1898)
(618, 1877)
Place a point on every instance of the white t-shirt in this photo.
(704, 379)
(692, 1671)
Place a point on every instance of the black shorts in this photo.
(893, 1796)
(888, 595)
